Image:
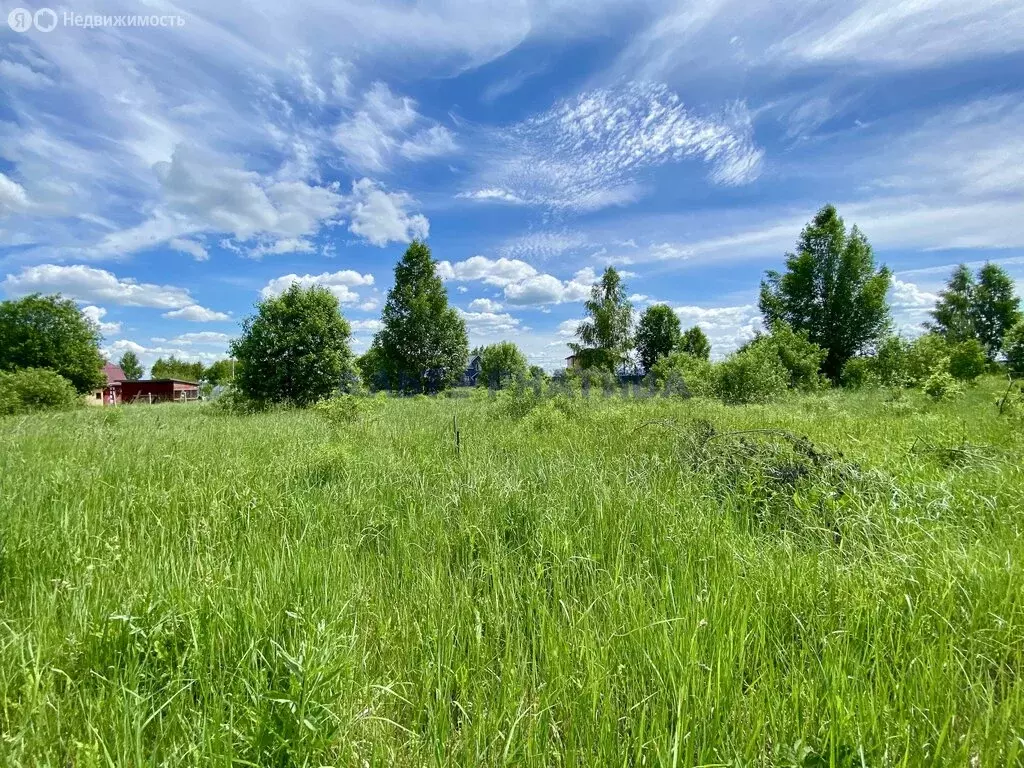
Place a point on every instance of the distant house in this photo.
(110, 393)
(159, 391)
(472, 374)
(570, 362)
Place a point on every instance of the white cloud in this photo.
(485, 305)
(586, 152)
(910, 34)
(196, 314)
(499, 272)
(338, 283)
(491, 194)
(727, 328)
(202, 338)
(94, 285)
(366, 325)
(191, 247)
(284, 245)
(96, 314)
(383, 127)
(431, 142)
(523, 285)
(381, 217)
(13, 197)
(489, 324)
(22, 75)
(543, 245)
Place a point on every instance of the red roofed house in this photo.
(111, 393)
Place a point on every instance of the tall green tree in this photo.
(130, 366)
(174, 368)
(606, 336)
(695, 343)
(51, 332)
(995, 308)
(830, 289)
(657, 334)
(423, 345)
(295, 349)
(220, 372)
(501, 364)
(1013, 346)
(953, 316)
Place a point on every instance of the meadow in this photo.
(833, 579)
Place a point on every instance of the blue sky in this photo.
(167, 177)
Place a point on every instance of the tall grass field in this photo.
(831, 580)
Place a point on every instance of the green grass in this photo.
(609, 583)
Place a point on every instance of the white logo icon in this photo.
(45, 20)
(20, 20)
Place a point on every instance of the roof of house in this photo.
(165, 381)
(113, 373)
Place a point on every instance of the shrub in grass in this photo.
(889, 365)
(36, 389)
(680, 368)
(754, 375)
(858, 372)
(942, 386)
(967, 360)
(926, 355)
(801, 357)
(338, 410)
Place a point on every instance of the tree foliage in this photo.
(681, 372)
(1013, 346)
(130, 366)
(753, 375)
(501, 364)
(220, 372)
(967, 360)
(295, 349)
(695, 343)
(51, 332)
(657, 334)
(606, 336)
(831, 289)
(996, 308)
(423, 345)
(800, 356)
(175, 368)
(953, 316)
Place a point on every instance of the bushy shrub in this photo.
(754, 375)
(338, 410)
(942, 386)
(967, 360)
(889, 365)
(1013, 347)
(926, 355)
(36, 389)
(858, 372)
(801, 357)
(682, 373)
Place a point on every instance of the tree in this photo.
(423, 345)
(953, 316)
(831, 289)
(220, 372)
(967, 360)
(995, 308)
(606, 335)
(695, 343)
(657, 334)
(501, 364)
(294, 350)
(173, 368)
(1013, 346)
(130, 365)
(51, 332)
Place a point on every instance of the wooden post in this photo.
(455, 428)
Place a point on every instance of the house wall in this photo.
(158, 391)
